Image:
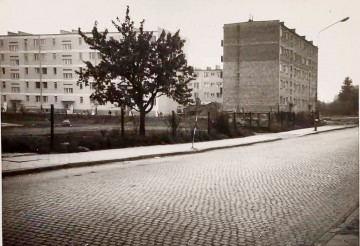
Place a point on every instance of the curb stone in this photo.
(331, 231)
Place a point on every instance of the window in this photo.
(2, 57)
(81, 100)
(3, 85)
(36, 57)
(212, 84)
(68, 90)
(14, 62)
(3, 70)
(37, 70)
(81, 86)
(13, 47)
(217, 94)
(212, 74)
(15, 89)
(67, 61)
(4, 97)
(190, 84)
(27, 85)
(205, 74)
(27, 98)
(45, 99)
(206, 94)
(206, 84)
(67, 75)
(80, 56)
(196, 95)
(15, 76)
(66, 46)
(55, 98)
(54, 70)
(212, 94)
(37, 85)
(37, 98)
(80, 41)
(54, 56)
(55, 85)
(44, 70)
(54, 42)
(1, 42)
(45, 85)
(26, 57)
(91, 55)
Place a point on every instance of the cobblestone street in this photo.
(287, 192)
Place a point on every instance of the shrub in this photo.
(221, 124)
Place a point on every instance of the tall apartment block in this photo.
(208, 85)
(39, 70)
(268, 67)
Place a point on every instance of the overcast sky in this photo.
(202, 21)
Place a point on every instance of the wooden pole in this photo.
(52, 127)
(122, 122)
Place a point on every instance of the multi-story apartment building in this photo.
(208, 86)
(268, 67)
(39, 70)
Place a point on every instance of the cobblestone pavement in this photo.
(281, 193)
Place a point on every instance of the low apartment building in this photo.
(208, 86)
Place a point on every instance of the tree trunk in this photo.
(142, 123)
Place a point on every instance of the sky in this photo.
(202, 21)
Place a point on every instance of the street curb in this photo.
(83, 164)
(328, 235)
(94, 163)
(330, 130)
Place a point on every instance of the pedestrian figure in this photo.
(109, 113)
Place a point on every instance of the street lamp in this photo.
(316, 93)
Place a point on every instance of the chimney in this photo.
(217, 67)
(208, 68)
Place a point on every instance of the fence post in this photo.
(173, 123)
(122, 122)
(269, 121)
(234, 121)
(52, 127)
(209, 122)
(250, 121)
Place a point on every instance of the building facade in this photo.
(268, 67)
(39, 70)
(208, 85)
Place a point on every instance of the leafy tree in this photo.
(137, 69)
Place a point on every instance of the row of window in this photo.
(67, 59)
(294, 40)
(206, 84)
(210, 74)
(44, 86)
(45, 99)
(297, 87)
(42, 42)
(296, 101)
(297, 58)
(296, 72)
(207, 95)
(44, 70)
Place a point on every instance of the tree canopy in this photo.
(346, 102)
(137, 68)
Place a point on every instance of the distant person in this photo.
(109, 113)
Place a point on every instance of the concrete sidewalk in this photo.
(13, 164)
